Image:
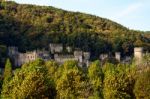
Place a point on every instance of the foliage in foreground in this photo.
(48, 80)
(118, 82)
(31, 81)
(142, 85)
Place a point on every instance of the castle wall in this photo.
(63, 58)
(21, 58)
(103, 56)
(56, 48)
(78, 55)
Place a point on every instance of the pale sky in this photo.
(133, 14)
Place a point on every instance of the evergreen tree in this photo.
(95, 75)
(30, 82)
(142, 85)
(119, 83)
(71, 84)
(52, 68)
(7, 72)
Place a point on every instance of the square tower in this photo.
(118, 56)
(138, 54)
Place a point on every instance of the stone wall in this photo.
(55, 48)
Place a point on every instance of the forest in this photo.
(31, 27)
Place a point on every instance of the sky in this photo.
(133, 14)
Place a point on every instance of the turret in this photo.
(86, 58)
(118, 56)
(138, 54)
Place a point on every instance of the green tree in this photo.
(52, 68)
(142, 85)
(146, 59)
(95, 75)
(1, 83)
(7, 72)
(30, 82)
(119, 83)
(71, 83)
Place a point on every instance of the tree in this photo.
(31, 81)
(7, 75)
(7, 72)
(1, 83)
(119, 83)
(138, 43)
(95, 75)
(146, 59)
(52, 68)
(71, 83)
(142, 85)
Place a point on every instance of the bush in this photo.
(142, 85)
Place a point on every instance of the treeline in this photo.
(30, 27)
(48, 80)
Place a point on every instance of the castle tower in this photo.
(78, 56)
(118, 56)
(138, 54)
(13, 54)
(69, 49)
(86, 56)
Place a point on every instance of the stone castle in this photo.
(56, 53)
(21, 58)
(138, 56)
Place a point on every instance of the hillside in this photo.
(30, 27)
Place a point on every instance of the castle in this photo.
(56, 53)
(21, 58)
(138, 56)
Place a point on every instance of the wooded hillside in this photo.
(30, 27)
